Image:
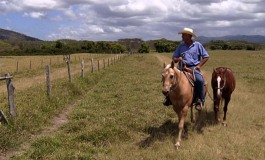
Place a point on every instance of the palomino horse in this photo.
(180, 91)
(223, 84)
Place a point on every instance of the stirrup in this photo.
(199, 106)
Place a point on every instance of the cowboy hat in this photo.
(188, 31)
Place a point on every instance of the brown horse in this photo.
(223, 84)
(180, 91)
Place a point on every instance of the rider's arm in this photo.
(203, 61)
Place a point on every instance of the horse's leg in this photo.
(216, 110)
(191, 114)
(182, 116)
(227, 100)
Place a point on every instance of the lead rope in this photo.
(193, 72)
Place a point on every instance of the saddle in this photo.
(189, 73)
(191, 77)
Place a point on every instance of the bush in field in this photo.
(164, 45)
(232, 45)
(144, 48)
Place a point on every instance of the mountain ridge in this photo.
(12, 35)
(248, 38)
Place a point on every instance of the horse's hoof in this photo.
(177, 145)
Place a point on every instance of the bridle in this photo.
(218, 87)
(172, 79)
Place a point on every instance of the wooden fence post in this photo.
(10, 91)
(17, 66)
(98, 65)
(67, 60)
(83, 68)
(48, 80)
(92, 65)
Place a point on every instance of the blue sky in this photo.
(146, 19)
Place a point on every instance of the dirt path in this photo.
(57, 122)
(163, 59)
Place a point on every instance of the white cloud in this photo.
(44, 4)
(70, 13)
(95, 29)
(37, 15)
(114, 29)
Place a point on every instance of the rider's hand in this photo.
(198, 67)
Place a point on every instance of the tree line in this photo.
(128, 45)
(233, 45)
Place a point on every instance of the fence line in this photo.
(11, 88)
(67, 60)
(14, 65)
(11, 104)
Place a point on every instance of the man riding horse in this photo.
(192, 56)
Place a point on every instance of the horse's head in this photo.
(219, 79)
(168, 77)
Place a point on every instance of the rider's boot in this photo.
(199, 105)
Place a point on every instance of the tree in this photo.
(132, 44)
(58, 44)
(144, 48)
(164, 45)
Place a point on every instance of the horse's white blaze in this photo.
(218, 86)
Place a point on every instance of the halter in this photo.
(173, 80)
(221, 88)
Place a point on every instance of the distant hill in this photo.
(11, 36)
(251, 38)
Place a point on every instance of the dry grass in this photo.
(27, 77)
(14, 64)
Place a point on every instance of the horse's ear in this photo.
(172, 64)
(164, 64)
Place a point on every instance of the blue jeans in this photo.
(199, 85)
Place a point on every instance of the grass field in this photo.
(117, 113)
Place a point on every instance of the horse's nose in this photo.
(165, 92)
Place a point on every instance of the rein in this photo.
(174, 80)
(181, 68)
